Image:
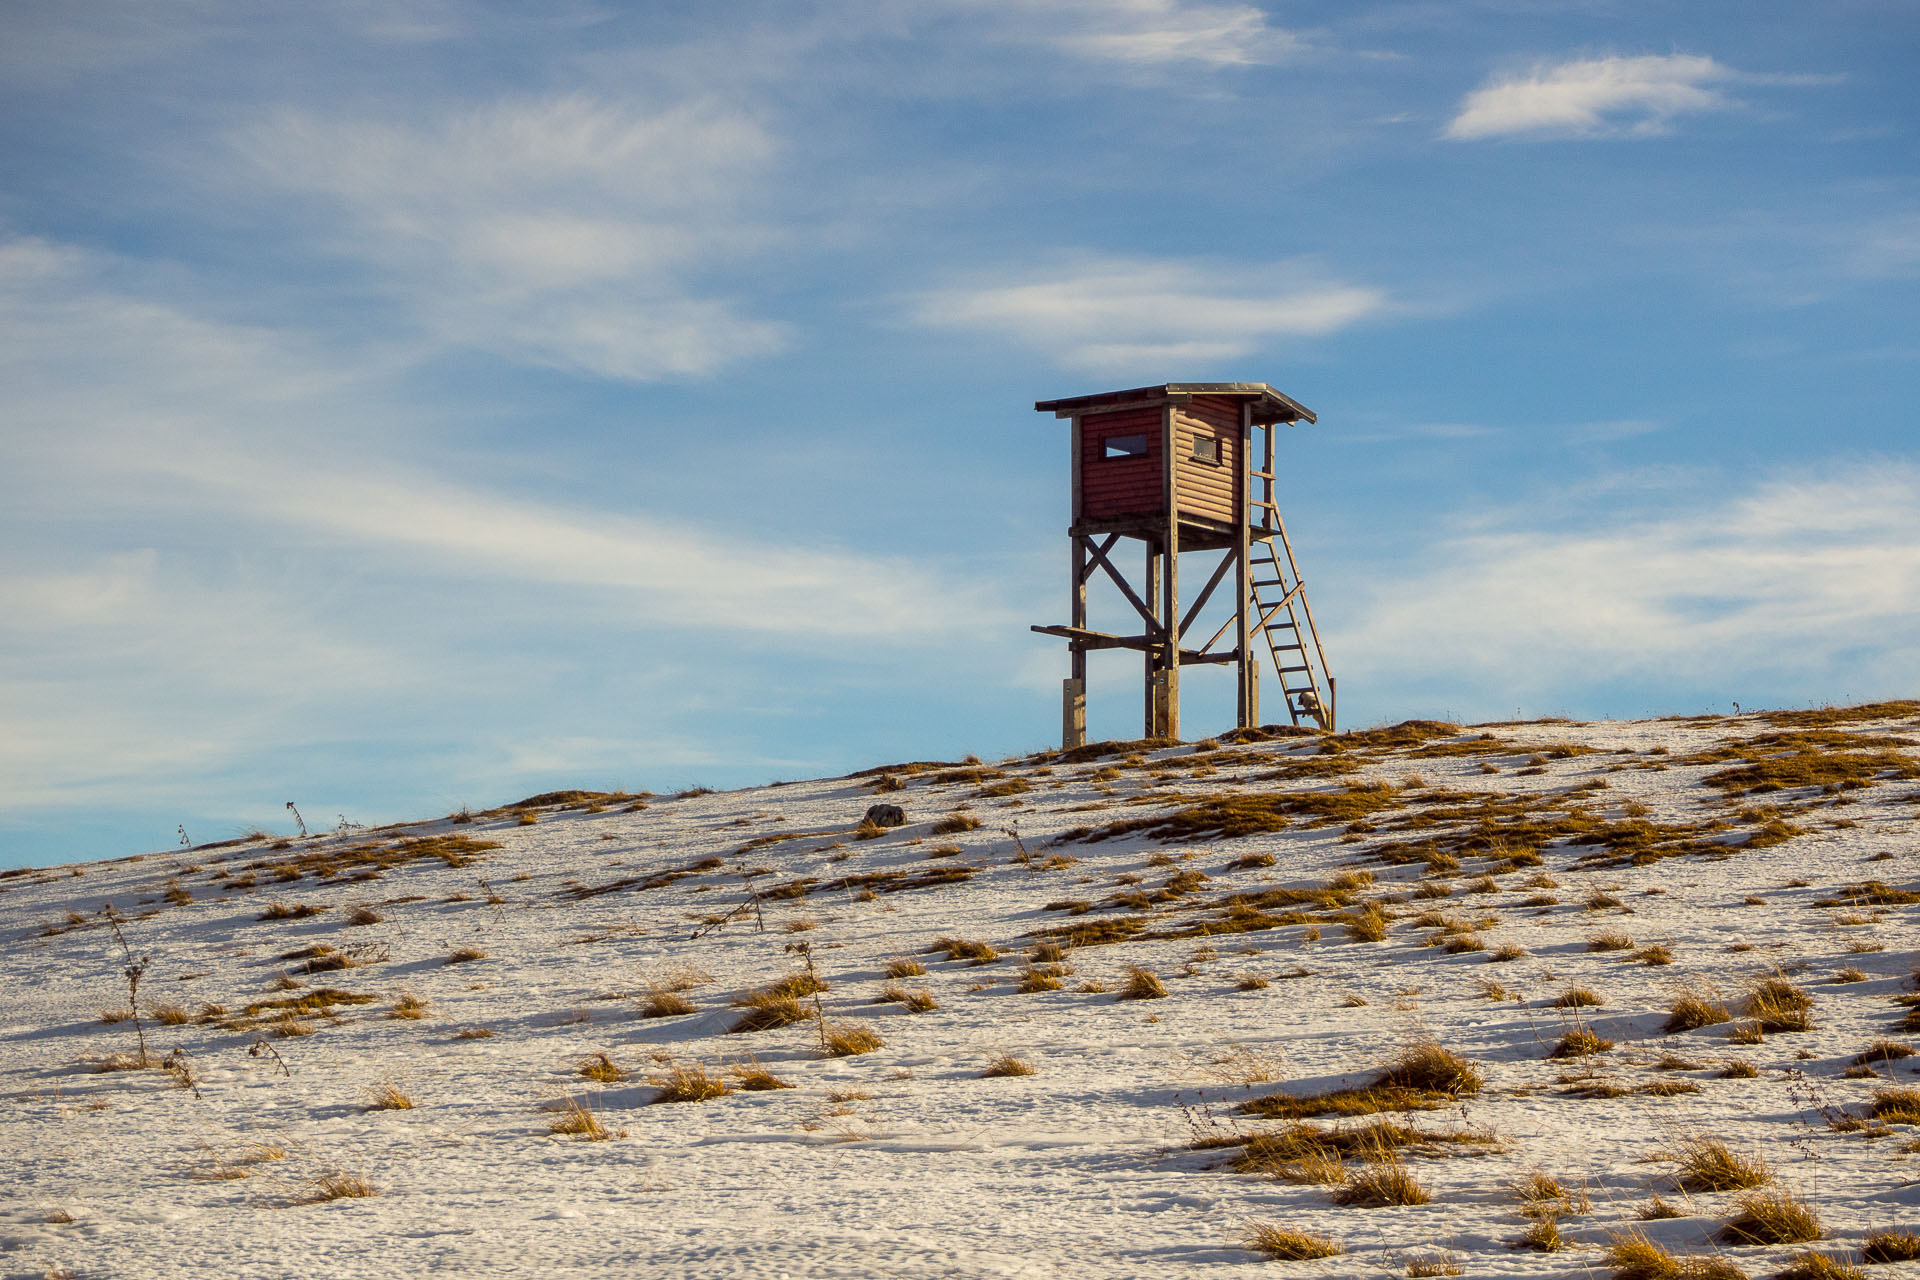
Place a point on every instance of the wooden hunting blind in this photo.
(1189, 467)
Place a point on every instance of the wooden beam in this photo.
(1081, 637)
(1247, 704)
(1193, 611)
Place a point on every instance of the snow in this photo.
(905, 1161)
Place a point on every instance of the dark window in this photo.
(1206, 449)
(1126, 446)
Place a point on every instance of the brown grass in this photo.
(169, 1015)
(364, 916)
(278, 910)
(1367, 925)
(688, 1082)
(755, 1078)
(1709, 1164)
(1896, 1106)
(1006, 1064)
(766, 1010)
(465, 955)
(916, 1001)
(970, 950)
(1580, 1043)
(1578, 998)
(1772, 1217)
(474, 1033)
(845, 1039)
(341, 1185)
(576, 1120)
(389, 1096)
(1387, 1182)
(1284, 1244)
(905, 967)
(665, 1004)
(1609, 940)
(1778, 1005)
(1891, 1246)
(1142, 984)
(1809, 1265)
(408, 1006)
(1695, 1008)
(601, 1067)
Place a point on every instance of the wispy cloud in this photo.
(570, 232)
(1593, 96)
(1133, 313)
(1142, 33)
(1770, 591)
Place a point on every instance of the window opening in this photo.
(1126, 446)
(1206, 449)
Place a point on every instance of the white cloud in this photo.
(1141, 33)
(1786, 587)
(569, 232)
(1593, 96)
(1133, 314)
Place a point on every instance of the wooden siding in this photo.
(1113, 488)
(1209, 490)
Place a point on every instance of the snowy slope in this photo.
(1115, 1157)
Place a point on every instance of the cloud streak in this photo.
(1127, 313)
(1593, 97)
(569, 232)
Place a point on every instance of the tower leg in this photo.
(1151, 718)
(1073, 712)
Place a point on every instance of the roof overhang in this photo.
(1268, 405)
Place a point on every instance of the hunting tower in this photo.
(1189, 467)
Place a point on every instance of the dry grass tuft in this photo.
(973, 952)
(466, 955)
(341, 1185)
(1657, 954)
(601, 1067)
(755, 1078)
(766, 1010)
(1430, 1067)
(1506, 951)
(389, 1096)
(1006, 1064)
(1387, 1182)
(665, 1004)
(687, 1083)
(1778, 1005)
(1444, 1265)
(576, 1119)
(1883, 1051)
(1896, 1106)
(1693, 1009)
(905, 967)
(1040, 977)
(1809, 1265)
(845, 1039)
(1891, 1246)
(915, 1001)
(408, 1006)
(364, 916)
(474, 1033)
(1774, 1217)
(1578, 998)
(1142, 984)
(1580, 1043)
(169, 1015)
(1609, 940)
(1367, 925)
(1287, 1245)
(1709, 1164)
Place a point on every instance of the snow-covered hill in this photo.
(487, 968)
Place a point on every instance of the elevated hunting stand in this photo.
(1189, 466)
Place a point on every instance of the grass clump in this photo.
(1896, 1106)
(1809, 1265)
(1891, 1246)
(1580, 1043)
(1284, 1244)
(466, 955)
(845, 1039)
(1709, 1164)
(972, 951)
(1693, 1009)
(1774, 1217)
(576, 1120)
(1142, 984)
(665, 1004)
(278, 910)
(687, 1082)
(341, 1184)
(1367, 925)
(1632, 1256)
(1378, 1185)
(1776, 1004)
(918, 1000)
(766, 1010)
(905, 967)
(1578, 998)
(601, 1067)
(1038, 978)
(755, 1078)
(408, 1006)
(389, 1096)
(1609, 940)
(1006, 1064)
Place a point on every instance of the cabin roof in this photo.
(1268, 405)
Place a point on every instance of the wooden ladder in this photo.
(1280, 606)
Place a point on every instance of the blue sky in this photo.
(423, 404)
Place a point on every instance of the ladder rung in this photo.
(1263, 475)
(1284, 670)
(1271, 582)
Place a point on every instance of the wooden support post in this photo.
(1152, 659)
(1170, 610)
(1247, 706)
(1073, 696)
(1073, 710)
